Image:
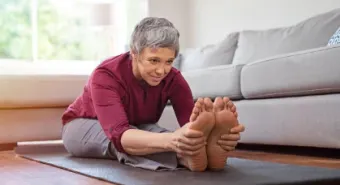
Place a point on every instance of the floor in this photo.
(16, 170)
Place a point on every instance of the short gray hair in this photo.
(154, 32)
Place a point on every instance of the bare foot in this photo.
(225, 119)
(202, 119)
(230, 105)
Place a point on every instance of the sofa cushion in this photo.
(177, 62)
(218, 54)
(215, 81)
(311, 33)
(223, 52)
(20, 91)
(335, 39)
(309, 72)
(299, 121)
(192, 58)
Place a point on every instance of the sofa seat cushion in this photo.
(307, 72)
(311, 121)
(22, 91)
(215, 81)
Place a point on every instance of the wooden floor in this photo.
(16, 170)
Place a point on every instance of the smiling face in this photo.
(153, 64)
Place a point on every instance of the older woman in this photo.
(116, 115)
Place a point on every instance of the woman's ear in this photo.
(133, 54)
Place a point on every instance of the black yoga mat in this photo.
(238, 171)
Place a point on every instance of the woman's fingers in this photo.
(187, 152)
(192, 141)
(227, 143)
(231, 137)
(190, 133)
(237, 129)
(189, 142)
(188, 147)
(227, 148)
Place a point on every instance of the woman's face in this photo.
(153, 64)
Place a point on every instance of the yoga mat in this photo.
(238, 171)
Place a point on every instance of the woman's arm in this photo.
(106, 96)
(182, 99)
(105, 93)
(139, 142)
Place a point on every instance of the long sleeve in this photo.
(181, 99)
(107, 104)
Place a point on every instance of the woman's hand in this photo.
(186, 141)
(229, 141)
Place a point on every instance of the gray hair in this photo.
(154, 32)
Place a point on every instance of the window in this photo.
(66, 31)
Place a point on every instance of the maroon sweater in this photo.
(117, 99)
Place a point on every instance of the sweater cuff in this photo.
(116, 140)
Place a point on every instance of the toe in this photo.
(195, 112)
(193, 117)
(204, 108)
(218, 104)
(230, 105)
(208, 104)
(236, 114)
(233, 108)
(226, 100)
(200, 103)
(200, 100)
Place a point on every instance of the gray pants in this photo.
(86, 138)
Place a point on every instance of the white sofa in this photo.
(284, 81)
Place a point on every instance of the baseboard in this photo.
(293, 150)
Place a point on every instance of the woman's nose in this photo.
(160, 70)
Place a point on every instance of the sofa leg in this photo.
(8, 146)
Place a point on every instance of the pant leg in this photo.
(85, 138)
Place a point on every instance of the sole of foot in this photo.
(225, 119)
(202, 119)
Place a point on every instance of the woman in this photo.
(115, 117)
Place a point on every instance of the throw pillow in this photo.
(335, 39)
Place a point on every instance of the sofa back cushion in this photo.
(311, 33)
(218, 54)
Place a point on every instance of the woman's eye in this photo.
(153, 60)
(170, 62)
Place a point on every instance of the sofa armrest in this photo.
(36, 91)
(308, 72)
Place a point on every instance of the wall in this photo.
(212, 20)
(178, 12)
